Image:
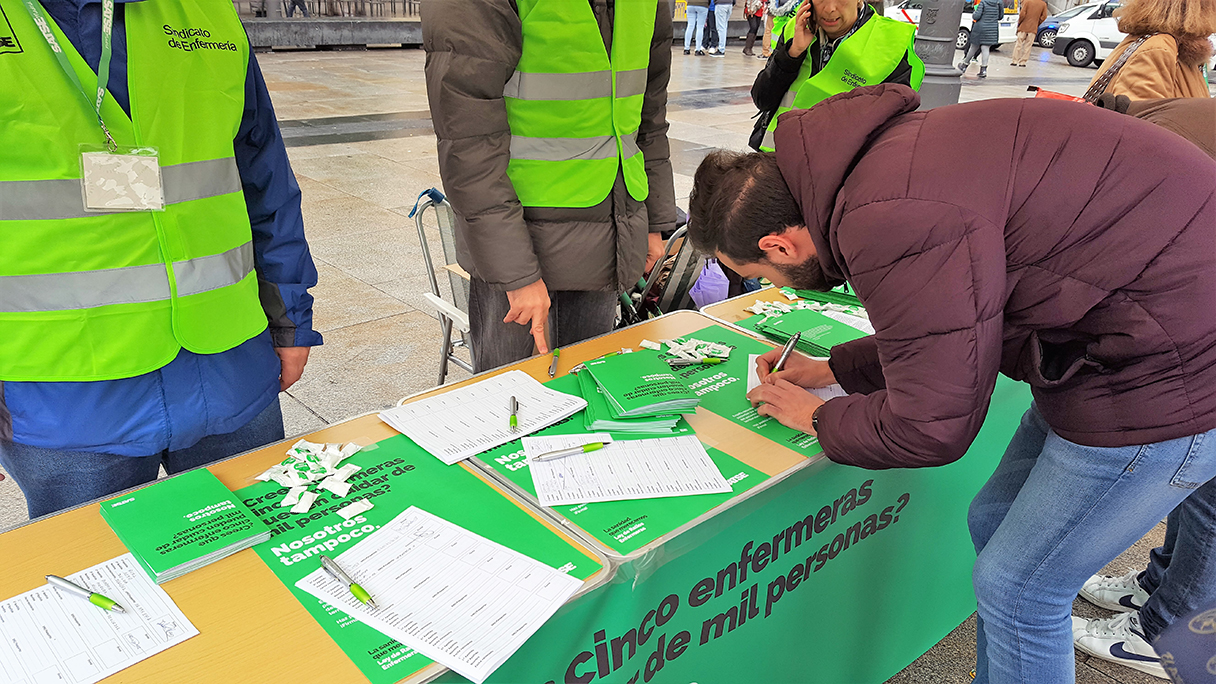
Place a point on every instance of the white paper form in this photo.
(49, 635)
(455, 425)
(753, 381)
(856, 322)
(625, 469)
(453, 596)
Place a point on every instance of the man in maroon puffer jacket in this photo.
(1075, 252)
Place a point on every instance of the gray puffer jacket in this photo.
(987, 17)
(472, 49)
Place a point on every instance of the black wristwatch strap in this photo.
(815, 419)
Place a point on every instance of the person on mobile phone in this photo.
(831, 47)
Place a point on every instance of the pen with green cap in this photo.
(680, 363)
(355, 590)
(93, 597)
(572, 451)
(553, 364)
(514, 406)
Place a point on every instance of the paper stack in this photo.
(598, 415)
(182, 523)
(639, 386)
(469, 420)
(823, 324)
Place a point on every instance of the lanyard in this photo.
(103, 67)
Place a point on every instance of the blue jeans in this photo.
(696, 23)
(1053, 514)
(1181, 573)
(53, 480)
(722, 14)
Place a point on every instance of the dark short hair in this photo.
(737, 199)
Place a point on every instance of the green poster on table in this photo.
(623, 526)
(722, 389)
(396, 475)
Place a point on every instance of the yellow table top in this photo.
(250, 626)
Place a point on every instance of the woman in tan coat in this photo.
(1168, 63)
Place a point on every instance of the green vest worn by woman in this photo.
(99, 296)
(864, 58)
(574, 112)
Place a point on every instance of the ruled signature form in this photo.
(49, 635)
(624, 469)
(469, 420)
(454, 596)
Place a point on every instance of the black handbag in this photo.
(762, 121)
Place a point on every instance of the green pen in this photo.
(560, 453)
(680, 363)
(514, 406)
(553, 364)
(355, 590)
(93, 597)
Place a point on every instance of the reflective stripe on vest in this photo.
(865, 58)
(563, 149)
(49, 200)
(131, 285)
(579, 86)
(105, 295)
(575, 111)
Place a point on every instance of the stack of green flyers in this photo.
(640, 385)
(597, 417)
(820, 331)
(183, 523)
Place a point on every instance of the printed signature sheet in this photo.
(622, 470)
(453, 596)
(469, 420)
(49, 635)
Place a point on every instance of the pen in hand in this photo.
(785, 353)
(355, 590)
(93, 597)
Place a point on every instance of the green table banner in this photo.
(623, 526)
(394, 476)
(834, 575)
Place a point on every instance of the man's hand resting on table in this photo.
(783, 395)
(530, 306)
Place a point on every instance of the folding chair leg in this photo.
(446, 350)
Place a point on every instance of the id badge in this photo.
(127, 179)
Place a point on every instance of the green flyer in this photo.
(722, 389)
(624, 526)
(394, 476)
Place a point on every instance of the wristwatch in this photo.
(815, 419)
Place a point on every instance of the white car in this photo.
(909, 11)
(1089, 37)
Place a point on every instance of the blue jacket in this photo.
(194, 395)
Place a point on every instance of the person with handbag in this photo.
(831, 47)
(1163, 53)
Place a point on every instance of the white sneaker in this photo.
(712, 51)
(1115, 593)
(1119, 640)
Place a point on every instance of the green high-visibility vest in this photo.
(864, 58)
(574, 111)
(100, 296)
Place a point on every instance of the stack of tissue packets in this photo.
(316, 466)
(771, 309)
(696, 350)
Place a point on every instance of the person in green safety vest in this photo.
(550, 117)
(848, 46)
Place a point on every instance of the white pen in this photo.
(570, 451)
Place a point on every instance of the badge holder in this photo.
(116, 178)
